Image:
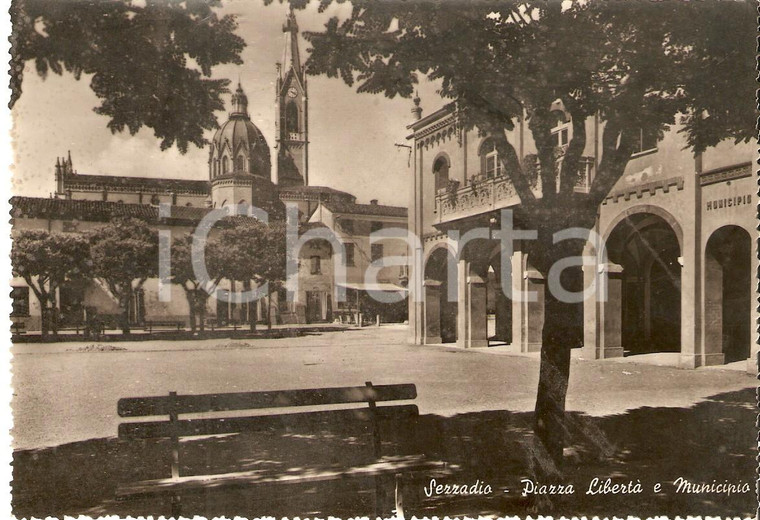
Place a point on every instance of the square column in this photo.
(478, 320)
(472, 324)
(533, 311)
(463, 303)
(609, 341)
(590, 317)
(691, 304)
(754, 349)
(518, 329)
(503, 316)
(432, 318)
(712, 336)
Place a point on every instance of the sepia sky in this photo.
(352, 135)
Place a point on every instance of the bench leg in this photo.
(399, 497)
(379, 497)
(176, 506)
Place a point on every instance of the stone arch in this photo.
(647, 249)
(728, 291)
(645, 208)
(498, 297)
(441, 296)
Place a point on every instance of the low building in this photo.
(376, 266)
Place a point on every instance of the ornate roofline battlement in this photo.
(651, 187)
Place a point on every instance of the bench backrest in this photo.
(173, 406)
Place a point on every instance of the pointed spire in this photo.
(292, 58)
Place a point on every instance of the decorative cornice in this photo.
(434, 237)
(437, 127)
(727, 173)
(233, 181)
(148, 190)
(650, 187)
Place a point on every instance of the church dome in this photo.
(238, 147)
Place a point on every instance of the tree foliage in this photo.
(254, 251)
(46, 261)
(149, 65)
(184, 275)
(124, 255)
(636, 65)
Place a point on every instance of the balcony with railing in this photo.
(483, 193)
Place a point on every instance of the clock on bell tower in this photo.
(291, 101)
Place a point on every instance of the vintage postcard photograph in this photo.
(383, 258)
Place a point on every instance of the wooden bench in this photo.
(179, 324)
(323, 410)
(211, 324)
(18, 327)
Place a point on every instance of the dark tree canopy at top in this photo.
(150, 64)
(647, 59)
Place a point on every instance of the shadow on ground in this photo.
(710, 441)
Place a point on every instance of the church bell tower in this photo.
(291, 101)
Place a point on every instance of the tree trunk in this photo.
(193, 321)
(549, 417)
(124, 300)
(44, 317)
(269, 311)
(52, 314)
(559, 335)
(201, 312)
(250, 307)
(191, 298)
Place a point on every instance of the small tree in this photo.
(185, 276)
(46, 261)
(254, 251)
(124, 255)
(272, 262)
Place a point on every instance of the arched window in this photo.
(216, 167)
(490, 165)
(240, 163)
(291, 118)
(224, 165)
(441, 172)
(242, 207)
